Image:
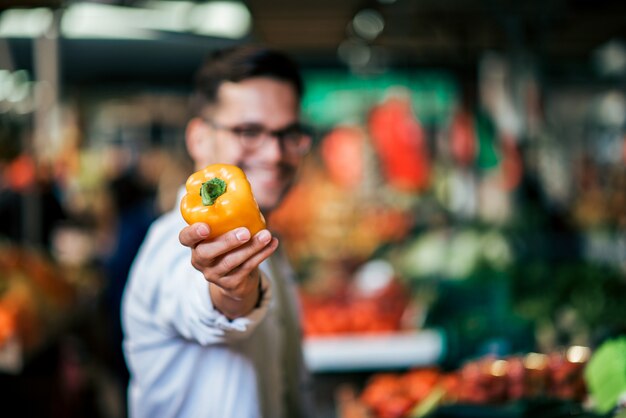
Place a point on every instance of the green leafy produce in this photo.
(605, 374)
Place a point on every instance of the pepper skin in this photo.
(220, 196)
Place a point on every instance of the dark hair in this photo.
(240, 63)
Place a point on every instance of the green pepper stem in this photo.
(211, 190)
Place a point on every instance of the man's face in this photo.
(254, 103)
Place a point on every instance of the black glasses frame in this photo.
(296, 138)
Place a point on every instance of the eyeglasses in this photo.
(294, 139)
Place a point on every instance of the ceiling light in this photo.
(228, 19)
(25, 23)
(354, 52)
(225, 19)
(168, 15)
(91, 20)
(610, 58)
(368, 24)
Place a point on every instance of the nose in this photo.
(273, 147)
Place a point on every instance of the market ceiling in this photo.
(562, 35)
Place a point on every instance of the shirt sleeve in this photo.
(189, 311)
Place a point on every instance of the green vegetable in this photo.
(605, 374)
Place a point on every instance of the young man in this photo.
(211, 325)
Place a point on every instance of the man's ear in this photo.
(196, 134)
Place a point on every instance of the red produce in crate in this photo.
(399, 141)
(342, 152)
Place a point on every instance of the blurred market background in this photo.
(459, 227)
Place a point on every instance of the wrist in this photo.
(235, 306)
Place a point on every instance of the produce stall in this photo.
(447, 268)
(39, 301)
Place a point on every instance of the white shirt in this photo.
(186, 359)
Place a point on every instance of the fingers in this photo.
(233, 254)
(225, 243)
(244, 278)
(192, 235)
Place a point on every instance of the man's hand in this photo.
(230, 264)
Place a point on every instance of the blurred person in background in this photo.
(30, 207)
(211, 325)
(134, 209)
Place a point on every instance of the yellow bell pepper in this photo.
(220, 195)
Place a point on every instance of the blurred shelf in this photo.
(373, 352)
